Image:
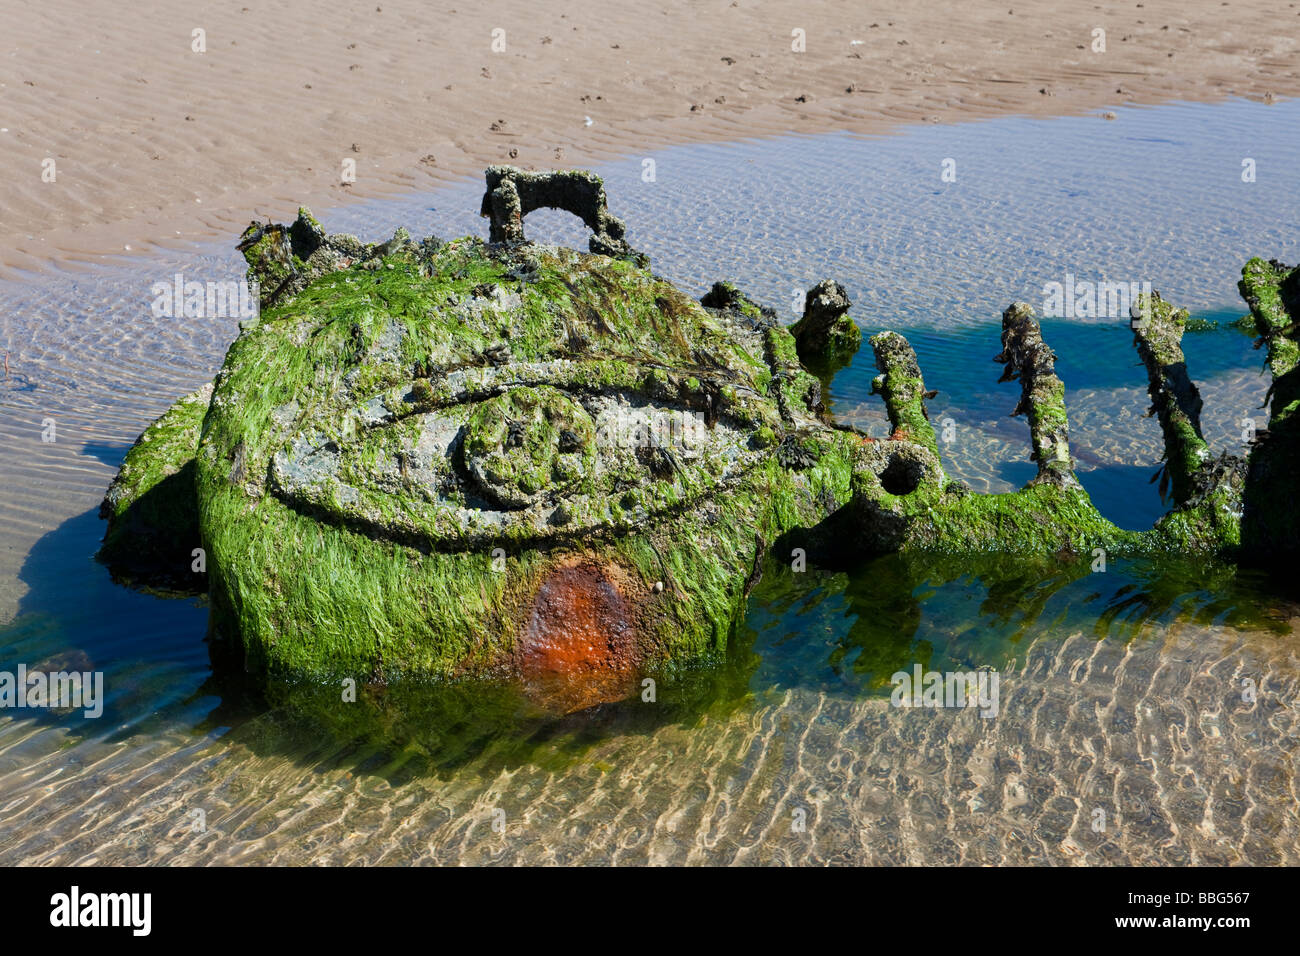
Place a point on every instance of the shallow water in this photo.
(1120, 692)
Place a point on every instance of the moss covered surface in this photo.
(1270, 520)
(1039, 518)
(150, 506)
(903, 390)
(826, 336)
(1174, 398)
(356, 358)
(439, 460)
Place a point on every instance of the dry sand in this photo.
(153, 142)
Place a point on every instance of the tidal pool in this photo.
(1147, 713)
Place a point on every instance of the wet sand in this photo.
(154, 143)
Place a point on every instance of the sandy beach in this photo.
(124, 127)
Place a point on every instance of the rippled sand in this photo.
(1153, 734)
(1145, 723)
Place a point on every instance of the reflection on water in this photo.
(1147, 712)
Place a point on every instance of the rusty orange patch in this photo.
(578, 645)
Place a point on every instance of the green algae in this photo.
(415, 439)
(152, 523)
(901, 386)
(1174, 397)
(826, 336)
(1270, 522)
(1028, 358)
(310, 596)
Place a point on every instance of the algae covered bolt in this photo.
(448, 459)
